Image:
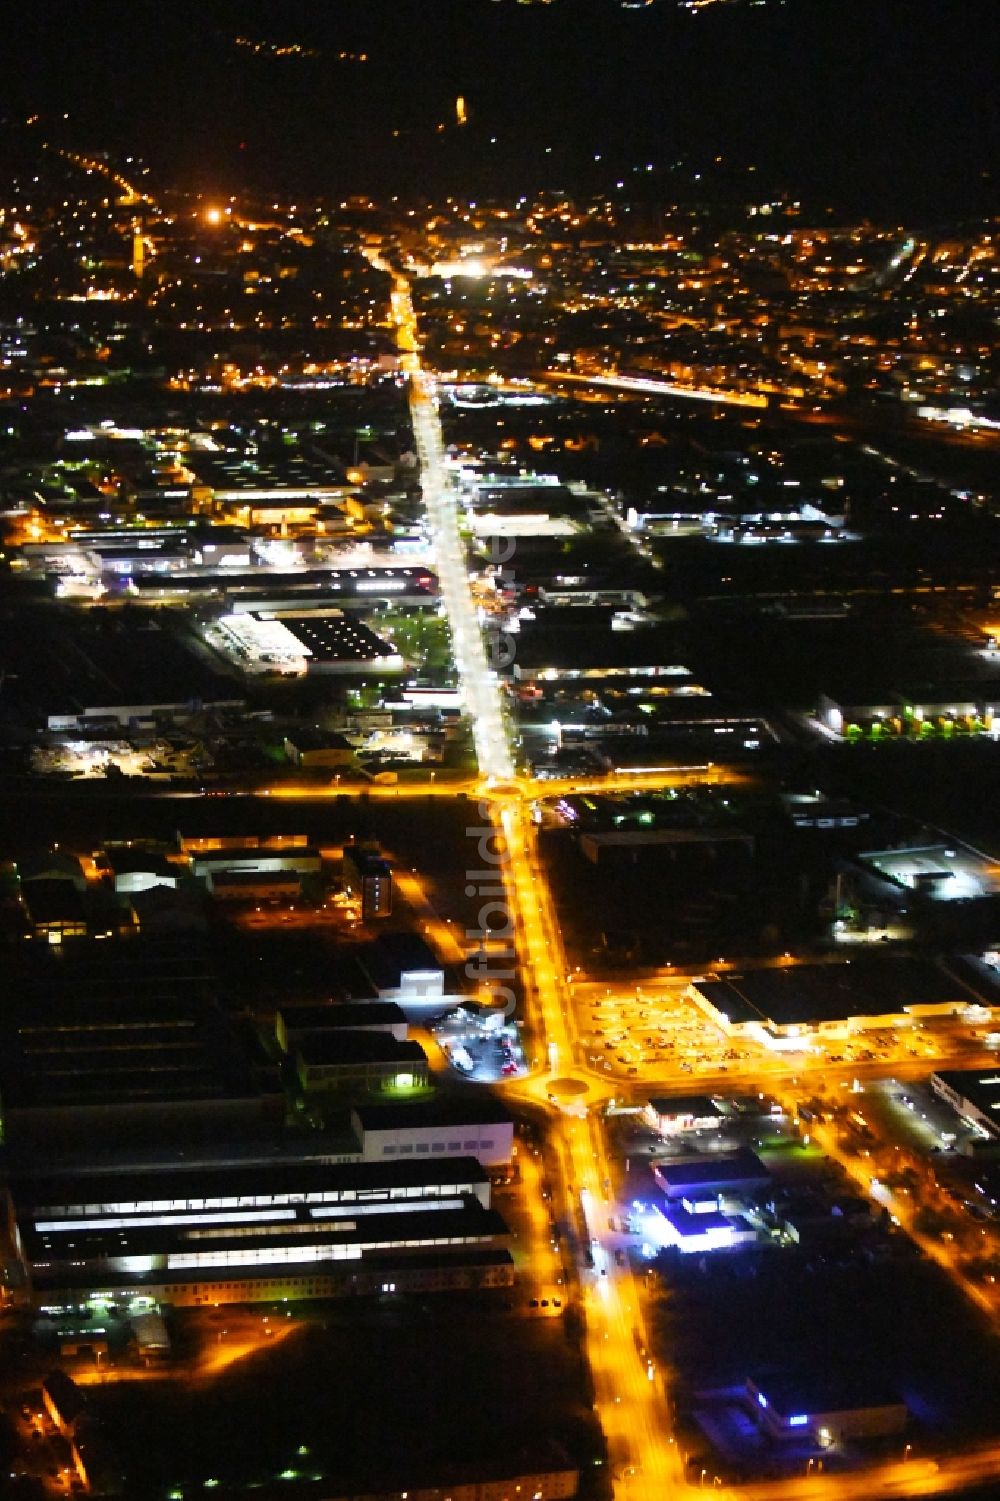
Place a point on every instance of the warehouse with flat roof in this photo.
(792, 1006)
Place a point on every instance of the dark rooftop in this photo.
(328, 1049)
(480, 1110)
(338, 1014)
(809, 993)
(710, 1168)
(53, 900)
(373, 1179)
(91, 1062)
(391, 955)
(819, 1391)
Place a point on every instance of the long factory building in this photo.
(254, 1233)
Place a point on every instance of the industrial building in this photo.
(479, 1127)
(258, 588)
(314, 748)
(106, 1073)
(292, 1023)
(626, 846)
(260, 859)
(98, 668)
(362, 1062)
(813, 810)
(54, 909)
(973, 703)
(254, 885)
(238, 1234)
(296, 640)
(402, 967)
(522, 506)
(137, 868)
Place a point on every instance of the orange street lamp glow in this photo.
(213, 215)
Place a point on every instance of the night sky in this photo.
(884, 107)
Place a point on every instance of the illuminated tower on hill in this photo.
(461, 113)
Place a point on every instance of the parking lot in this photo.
(635, 1031)
(631, 1032)
(481, 1044)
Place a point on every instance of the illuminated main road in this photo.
(479, 682)
(645, 1462)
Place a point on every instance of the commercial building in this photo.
(711, 1176)
(972, 1093)
(325, 640)
(204, 1235)
(670, 681)
(700, 1229)
(257, 589)
(693, 1112)
(800, 1005)
(823, 1411)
